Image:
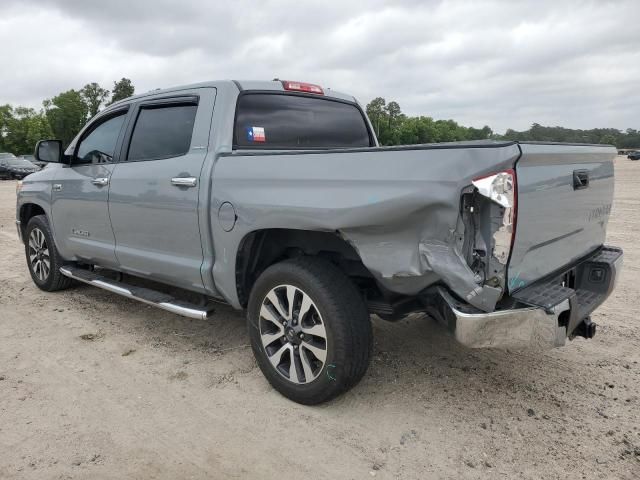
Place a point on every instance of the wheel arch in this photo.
(260, 249)
(27, 212)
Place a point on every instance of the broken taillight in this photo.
(501, 188)
(302, 87)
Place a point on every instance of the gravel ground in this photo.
(96, 386)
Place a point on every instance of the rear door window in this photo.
(162, 132)
(276, 121)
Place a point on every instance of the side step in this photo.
(144, 295)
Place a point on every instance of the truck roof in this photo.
(243, 85)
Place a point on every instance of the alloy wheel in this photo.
(39, 258)
(293, 334)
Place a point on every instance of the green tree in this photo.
(24, 129)
(608, 139)
(66, 113)
(94, 96)
(6, 113)
(377, 114)
(417, 130)
(479, 133)
(394, 122)
(393, 113)
(122, 89)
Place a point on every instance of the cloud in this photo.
(501, 63)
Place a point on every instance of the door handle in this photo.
(100, 181)
(184, 181)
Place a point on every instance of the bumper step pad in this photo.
(595, 277)
(546, 294)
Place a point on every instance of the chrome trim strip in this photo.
(112, 288)
(184, 311)
(170, 307)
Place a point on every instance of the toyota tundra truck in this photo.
(275, 198)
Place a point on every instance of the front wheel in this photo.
(43, 259)
(309, 329)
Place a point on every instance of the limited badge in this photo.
(256, 134)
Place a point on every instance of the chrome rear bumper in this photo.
(520, 328)
(537, 324)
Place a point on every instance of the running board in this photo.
(144, 295)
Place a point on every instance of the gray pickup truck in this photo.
(274, 197)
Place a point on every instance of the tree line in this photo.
(392, 127)
(64, 115)
(60, 117)
(630, 138)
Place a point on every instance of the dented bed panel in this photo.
(398, 207)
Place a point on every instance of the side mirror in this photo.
(49, 151)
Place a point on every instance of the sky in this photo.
(506, 64)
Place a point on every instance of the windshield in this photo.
(6, 155)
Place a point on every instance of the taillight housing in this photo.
(501, 188)
(302, 87)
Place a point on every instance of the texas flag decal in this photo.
(256, 134)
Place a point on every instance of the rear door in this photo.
(80, 191)
(565, 194)
(153, 198)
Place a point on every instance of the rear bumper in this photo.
(517, 328)
(551, 310)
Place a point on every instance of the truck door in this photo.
(80, 191)
(154, 191)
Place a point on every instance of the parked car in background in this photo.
(4, 172)
(32, 159)
(14, 167)
(634, 155)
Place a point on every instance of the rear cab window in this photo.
(289, 121)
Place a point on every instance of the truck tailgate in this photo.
(563, 204)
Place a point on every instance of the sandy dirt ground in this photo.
(153, 395)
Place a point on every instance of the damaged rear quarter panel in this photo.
(399, 207)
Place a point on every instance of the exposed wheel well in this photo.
(27, 212)
(261, 249)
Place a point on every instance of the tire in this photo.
(330, 316)
(43, 259)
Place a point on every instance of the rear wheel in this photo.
(309, 330)
(43, 259)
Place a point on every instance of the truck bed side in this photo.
(398, 207)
